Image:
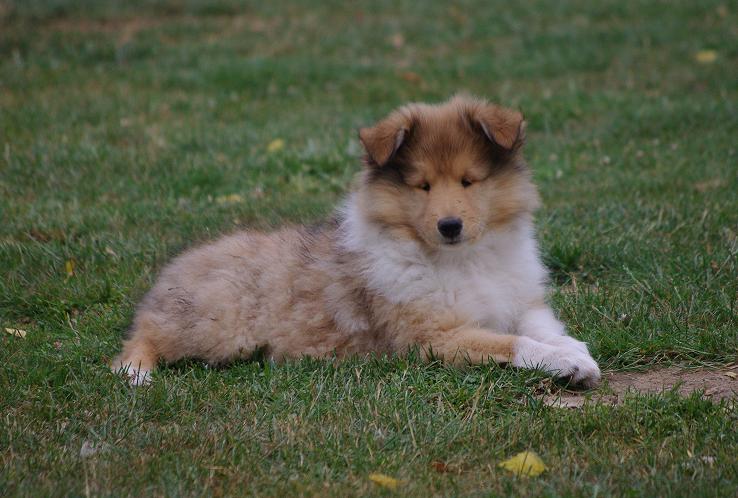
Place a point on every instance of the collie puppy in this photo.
(433, 250)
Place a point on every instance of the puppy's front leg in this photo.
(477, 345)
(540, 323)
(469, 344)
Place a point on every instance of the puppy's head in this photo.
(446, 174)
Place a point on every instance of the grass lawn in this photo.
(131, 130)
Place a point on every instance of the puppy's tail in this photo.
(137, 359)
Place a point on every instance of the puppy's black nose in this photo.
(450, 227)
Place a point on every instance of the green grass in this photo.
(122, 125)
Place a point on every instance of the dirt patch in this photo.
(714, 385)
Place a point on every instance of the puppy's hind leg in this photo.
(138, 358)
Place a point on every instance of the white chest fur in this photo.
(490, 281)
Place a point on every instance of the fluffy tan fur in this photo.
(306, 291)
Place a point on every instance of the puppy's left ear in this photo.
(504, 127)
(383, 140)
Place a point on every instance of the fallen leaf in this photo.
(275, 145)
(229, 199)
(384, 480)
(69, 268)
(706, 56)
(16, 332)
(525, 464)
(411, 77)
(732, 375)
(109, 250)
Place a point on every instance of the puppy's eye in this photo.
(465, 182)
(425, 186)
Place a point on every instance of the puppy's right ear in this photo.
(382, 141)
(501, 126)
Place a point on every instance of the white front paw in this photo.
(580, 368)
(570, 362)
